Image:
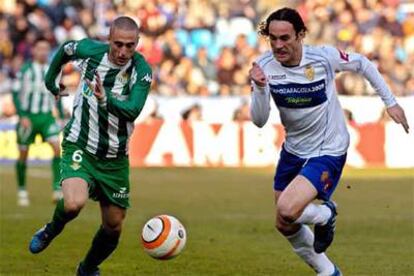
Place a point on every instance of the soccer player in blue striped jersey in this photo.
(301, 81)
(114, 86)
(34, 106)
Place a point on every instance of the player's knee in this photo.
(73, 206)
(113, 227)
(286, 211)
(23, 156)
(282, 226)
(285, 228)
(279, 225)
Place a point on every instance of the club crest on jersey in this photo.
(326, 180)
(123, 78)
(75, 166)
(70, 48)
(86, 90)
(309, 72)
(343, 55)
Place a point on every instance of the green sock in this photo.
(21, 174)
(103, 245)
(56, 173)
(60, 218)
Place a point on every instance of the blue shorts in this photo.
(322, 171)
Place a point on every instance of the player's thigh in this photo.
(75, 176)
(25, 135)
(297, 195)
(112, 216)
(49, 129)
(277, 195)
(75, 193)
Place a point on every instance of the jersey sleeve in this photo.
(130, 108)
(260, 104)
(68, 51)
(343, 61)
(260, 101)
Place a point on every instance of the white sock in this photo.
(23, 193)
(302, 243)
(314, 214)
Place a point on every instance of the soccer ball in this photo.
(163, 237)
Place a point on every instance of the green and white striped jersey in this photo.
(30, 95)
(102, 130)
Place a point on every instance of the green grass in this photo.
(228, 214)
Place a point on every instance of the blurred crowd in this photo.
(205, 47)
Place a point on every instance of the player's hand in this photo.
(62, 92)
(98, 89)
(25, 122)
(397, 114)
(257, 75)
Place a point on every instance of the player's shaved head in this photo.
(124, 23)
(123, 39)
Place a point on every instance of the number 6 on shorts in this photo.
(77, 156)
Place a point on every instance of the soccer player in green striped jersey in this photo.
(114, 86)
(34, 106)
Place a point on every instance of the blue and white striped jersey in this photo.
(307, 100)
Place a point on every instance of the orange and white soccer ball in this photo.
(163, 237)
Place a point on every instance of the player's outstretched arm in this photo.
(260, 103)
(64, 54)
(396, 112)
(358, 63)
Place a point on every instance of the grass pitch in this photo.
(228, 214)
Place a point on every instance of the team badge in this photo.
(123, 78)
(70, 48)
(343, 55)
(75, 166)
(326, 180)
(309, 72)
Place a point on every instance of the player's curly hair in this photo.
(284, 14)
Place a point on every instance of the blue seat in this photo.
(182, 36)
(201, 38)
